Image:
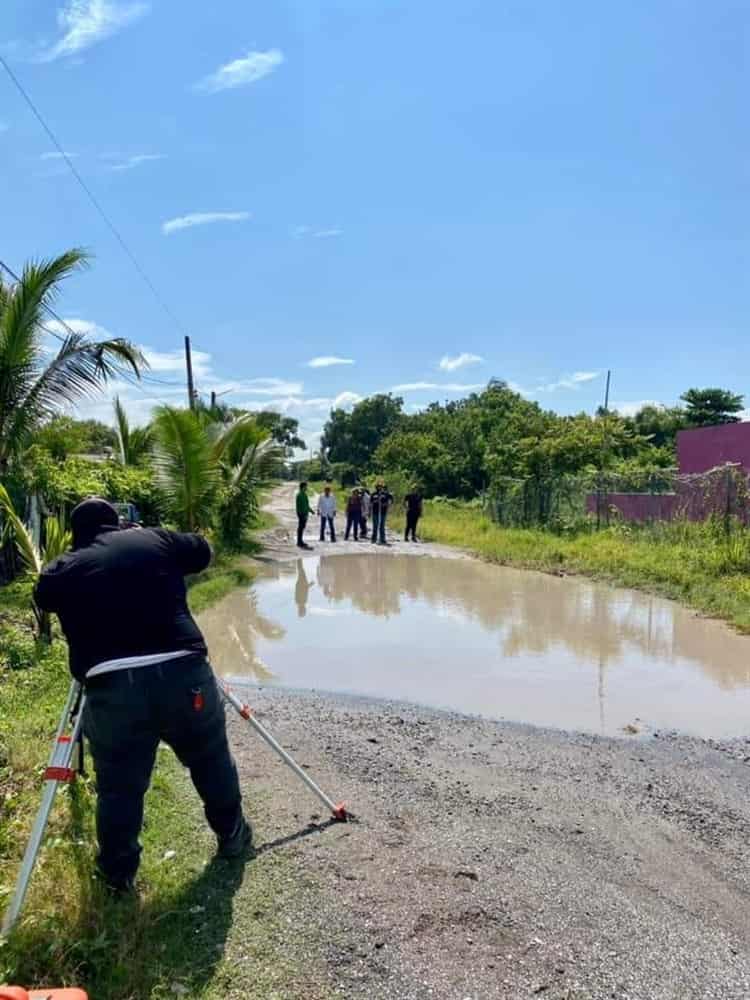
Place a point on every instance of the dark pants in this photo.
(301, 525)
(363, 526)
(378, 526)
(411, 526)
(331, 529)
(127, 713)
(352, 521)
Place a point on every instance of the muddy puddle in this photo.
(488, 640)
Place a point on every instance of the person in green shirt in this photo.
(303, 512)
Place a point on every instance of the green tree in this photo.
(283, 430)
(208, 471)
(707, 407)
(185, 468)
(353, 437)
(33, 385)
(659, 424)
(64, 436)
(133, 443)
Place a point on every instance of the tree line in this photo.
(458, 448)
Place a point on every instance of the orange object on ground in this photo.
(17, 993)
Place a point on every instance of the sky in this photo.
(342, 197)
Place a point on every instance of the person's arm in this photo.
(47, 592)
(192, 552)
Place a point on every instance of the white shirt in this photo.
(131, 662)
(327, 505)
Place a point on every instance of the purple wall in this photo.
(703, 448)
(637, 506)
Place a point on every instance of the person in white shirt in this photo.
(327, 512)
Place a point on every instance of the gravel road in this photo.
(495, 860)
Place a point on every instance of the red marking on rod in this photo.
(340, 812)
(246, 711)
(59, 774)
(63, 739)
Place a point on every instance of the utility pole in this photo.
(189, 366)
(213, 399)
(606, 392)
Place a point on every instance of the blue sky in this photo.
(526, 189)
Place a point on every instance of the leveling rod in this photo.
(58, 769)
(338, 811)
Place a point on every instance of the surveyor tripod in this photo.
(66, 761)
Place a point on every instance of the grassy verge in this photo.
(199, 927)
(696, 564)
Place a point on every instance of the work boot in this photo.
(235, 845)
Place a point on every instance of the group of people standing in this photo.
(362, 507)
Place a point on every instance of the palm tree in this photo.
(248, 458)
(133, 442)
(185, 468)
(33, 385)
(204, 467)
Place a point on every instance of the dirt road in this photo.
(492, 860)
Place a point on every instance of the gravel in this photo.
(495, 860)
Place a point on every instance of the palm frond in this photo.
(57, 539)
(185, 469)
(15, 528)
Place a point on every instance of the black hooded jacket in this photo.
(122, 593)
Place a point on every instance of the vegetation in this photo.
(460, 448)
(33, 385)
(696, 563)
(133, 443)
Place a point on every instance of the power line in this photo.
(91, 196)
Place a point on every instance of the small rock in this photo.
(371, 739)
(466, 874)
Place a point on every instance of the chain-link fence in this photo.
(599, 498)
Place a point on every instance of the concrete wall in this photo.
(702, 448)
(637, 506)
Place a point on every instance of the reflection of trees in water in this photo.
(536, 612)
(232, 628)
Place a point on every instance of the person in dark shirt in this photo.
(121, 600)
(413, 504)
(380, 502)
(353, 515)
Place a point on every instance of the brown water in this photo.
(483, 639)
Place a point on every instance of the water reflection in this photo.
(483, 638)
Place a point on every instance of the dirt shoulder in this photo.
(493, 860)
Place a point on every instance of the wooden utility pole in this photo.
(606, 392)
(213, 399)
(189, 366)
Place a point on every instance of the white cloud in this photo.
(443, 387)
(346, 400)
(201, 219)
(174, 362)
(254, 66)
(630, 408)
(450, 364)
(744, 415)
(58, 156)
(84, 326)
(135, 161)
(299, 232)
(328, 361)
(568, 381)
(86, 22)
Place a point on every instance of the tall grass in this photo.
(700, 564)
